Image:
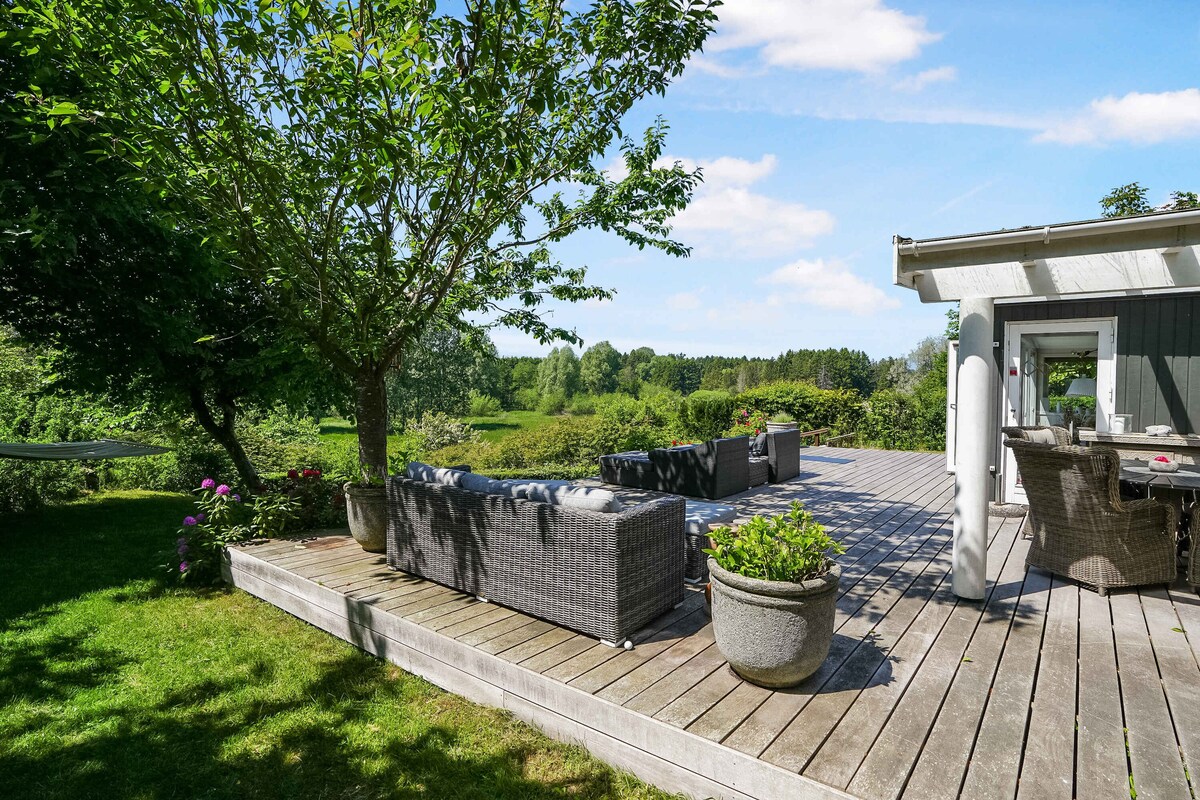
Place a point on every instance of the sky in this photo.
(825, 127)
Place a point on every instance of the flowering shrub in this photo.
(438, 430)
(220, 519)
(320, 503)
(748, 422)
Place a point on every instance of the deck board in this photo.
(1026, 694)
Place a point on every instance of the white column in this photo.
(972, 453)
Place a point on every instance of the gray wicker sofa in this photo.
(604, 574)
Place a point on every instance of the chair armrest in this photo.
(1149, 517)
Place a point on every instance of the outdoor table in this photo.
(1172, 487)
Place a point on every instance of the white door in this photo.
(1056, 373)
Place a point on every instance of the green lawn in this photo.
(115, 683)
(493, 429)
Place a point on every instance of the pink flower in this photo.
(1163, 459)
(189, 521)
(312, 473)
(207, 483)
(222, 489)
(183, 566)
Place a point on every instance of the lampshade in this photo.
(1082, 387)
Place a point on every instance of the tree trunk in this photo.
(223, 434)
(371, 408)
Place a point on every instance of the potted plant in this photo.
(774, 588)
(781, 422)
(366, 514)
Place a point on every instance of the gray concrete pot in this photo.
(773, 633)
(776, 427)
(366, 511)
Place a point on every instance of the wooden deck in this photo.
(1041, 691)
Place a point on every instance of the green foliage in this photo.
(372, 168)
(482, 405)
(841, 410)
(599, 368)
(913, 420)
(952, 322)
(1130, 199)
(782, 417)
(705, 414)
(559, 373)
(677, 373)
(526, 400)
(582, 405)
(552, 403)
(792, 547)
(440, 373)
(437, 430)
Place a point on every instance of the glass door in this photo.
(1057, 373)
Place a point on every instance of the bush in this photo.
(841, 410)
(793, 547)
(705, 414)
(437, 430)
(526, 399)
(482, 405)
(582, 405)
(552, 403)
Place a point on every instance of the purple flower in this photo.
(183, 566)
(237, 498)
(182, 540)
(182, 549)
(201, 517)
(222, 489)
(207, 483)
(189, 521)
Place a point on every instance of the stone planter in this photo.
(772, 633)
(776, 427)
(366, 511)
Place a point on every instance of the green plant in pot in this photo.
(774, 590)
(782, 421)
(366, 513)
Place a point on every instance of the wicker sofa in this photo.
(713, 469)
(1081, 527)
(605, 574)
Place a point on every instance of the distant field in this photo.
(493, 429)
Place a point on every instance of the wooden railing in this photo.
(830, 441)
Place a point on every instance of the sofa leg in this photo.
(627, 644)
(482, 599)
(1102, 591)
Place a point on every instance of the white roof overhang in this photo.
(1128, 254)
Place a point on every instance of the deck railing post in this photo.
(973, 451)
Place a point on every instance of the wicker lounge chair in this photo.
(783, 455)
(604, 574)
(1081, 527)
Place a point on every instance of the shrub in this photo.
(582, 405)
(748, 422)
(482, 405)
(839, 409)
(552, 403)
(526, 399)
(705, 414)
(437, 430)
(793, 547)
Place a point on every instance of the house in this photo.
(1051, 315)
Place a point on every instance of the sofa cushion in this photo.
(480, 483)
(1043, 436)
(581, 497)
(758, 445)
(418, 471)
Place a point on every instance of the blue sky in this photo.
(826, 126)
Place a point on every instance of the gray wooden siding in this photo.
(1158, 352)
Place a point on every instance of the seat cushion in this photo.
(700, 518)
(758, 445)
(760, 470)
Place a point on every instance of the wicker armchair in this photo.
(1080, 526)
(1041, 434)
(783, 452)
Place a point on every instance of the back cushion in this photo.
(1043, 436)
(480, 483)
(417, 471)
(581, 497)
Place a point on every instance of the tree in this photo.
(599, 368)
(559, 372)
(136, 308)
(1130, 199)
(635, 369)
(374, 166)
(440, 372)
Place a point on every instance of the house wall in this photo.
(1157, 352)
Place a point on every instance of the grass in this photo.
(116, 683)
(495, 428)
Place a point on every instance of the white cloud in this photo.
(828, 284)
(915, 83)
(727, 218)
(684, 301)
(854, 35)
(1141, 118)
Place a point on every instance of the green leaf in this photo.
(63, 109)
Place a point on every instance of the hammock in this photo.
(78, 451)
